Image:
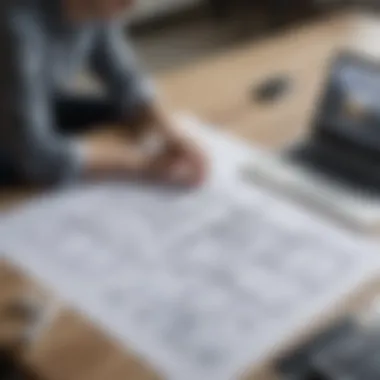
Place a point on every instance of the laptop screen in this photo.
(351, 104)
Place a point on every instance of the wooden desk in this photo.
(217, 90)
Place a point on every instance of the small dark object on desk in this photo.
(272, 89)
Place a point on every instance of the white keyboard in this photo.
(201, 284)
(357, 208)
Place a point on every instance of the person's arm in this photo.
(130, 88)
(116, 65)
(29, 133)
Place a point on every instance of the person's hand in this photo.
(109, 155)
(181, 162)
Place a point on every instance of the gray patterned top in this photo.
(40, 51)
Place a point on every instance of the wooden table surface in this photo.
(217, 90)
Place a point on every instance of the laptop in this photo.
(336, 167)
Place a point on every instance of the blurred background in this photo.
(171, 33)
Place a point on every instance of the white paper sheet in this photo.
(202, 284)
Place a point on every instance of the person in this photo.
(44, 130)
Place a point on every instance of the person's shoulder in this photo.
(8, 6)
(20, 21)
(11, 10)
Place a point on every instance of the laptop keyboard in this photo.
(339, 197)
(202, 285)
(356, 172)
